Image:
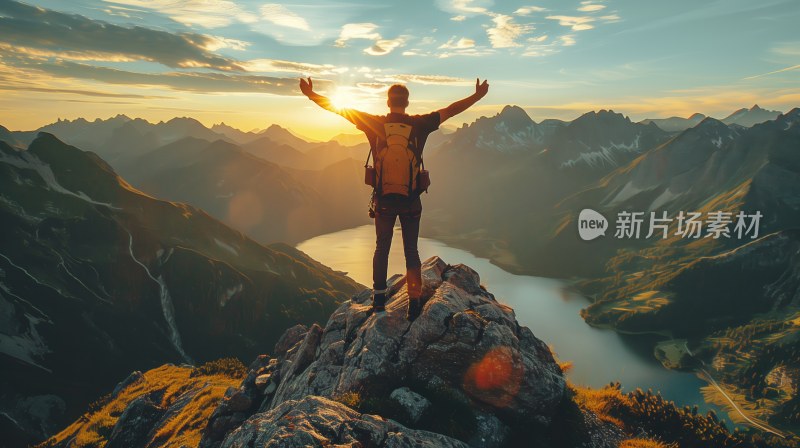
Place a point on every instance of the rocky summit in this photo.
(463, 374)
(465, 346)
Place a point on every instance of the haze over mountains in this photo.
(293, 189)
(742, 117)
(275, 186)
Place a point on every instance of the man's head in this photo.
(398, 97)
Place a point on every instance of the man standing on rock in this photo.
(396, 142)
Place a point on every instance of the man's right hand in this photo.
(481, 89)
(307, 87)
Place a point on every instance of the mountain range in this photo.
(504, 187)
(98, 278)
(742, 117)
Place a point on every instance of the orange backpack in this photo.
(399, 168)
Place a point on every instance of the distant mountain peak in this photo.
(512, 109)
(752, 116)
(222, 126)
(697, 116)
(281, 134)
(607, 116)
(47, 137)
(710, 122)
(184, 120)
(515, 114)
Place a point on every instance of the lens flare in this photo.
(495, 378)
(340, 99)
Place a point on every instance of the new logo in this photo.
(591, 224)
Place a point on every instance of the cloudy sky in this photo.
(238, 61)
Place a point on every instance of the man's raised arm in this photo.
(460, 106)
(307, 87)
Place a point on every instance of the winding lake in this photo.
(544, 305)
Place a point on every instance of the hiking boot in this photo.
(414, 308)
(378, 302)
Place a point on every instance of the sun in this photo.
(341, 98)
(346, 97)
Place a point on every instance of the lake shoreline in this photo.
(549, 307)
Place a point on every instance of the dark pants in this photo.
(386, 213)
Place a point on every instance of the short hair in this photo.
(398, 96)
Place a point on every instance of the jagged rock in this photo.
(318, 421)
(135, 424)
(134, 377)
(490, 432)
(263, 367)
(262, 381)
(233, 411)
(239, 401)
(462, 330)
(414, 403)
(289, 338)
(601, 434)
(464, 343)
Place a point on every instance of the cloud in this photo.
(459, 44)
(368, 31)
(792, 49)
(426, 79)
(91, 93)
(786, 69)
(218, 42)
(303, 68)
(279, 15)
(539, 46)
(385, 46)
(462, 47)
(44, 29)
(373, 87)
(458, 18)
(528, 10)
(590, 7)
(205, 13)
(468, 6)
(357, 31)
(567, 40)
(44, 54)
(198, 82)
(505, 32)
(577, 23)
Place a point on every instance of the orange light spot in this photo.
(495, 378)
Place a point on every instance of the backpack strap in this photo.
(369, 154)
